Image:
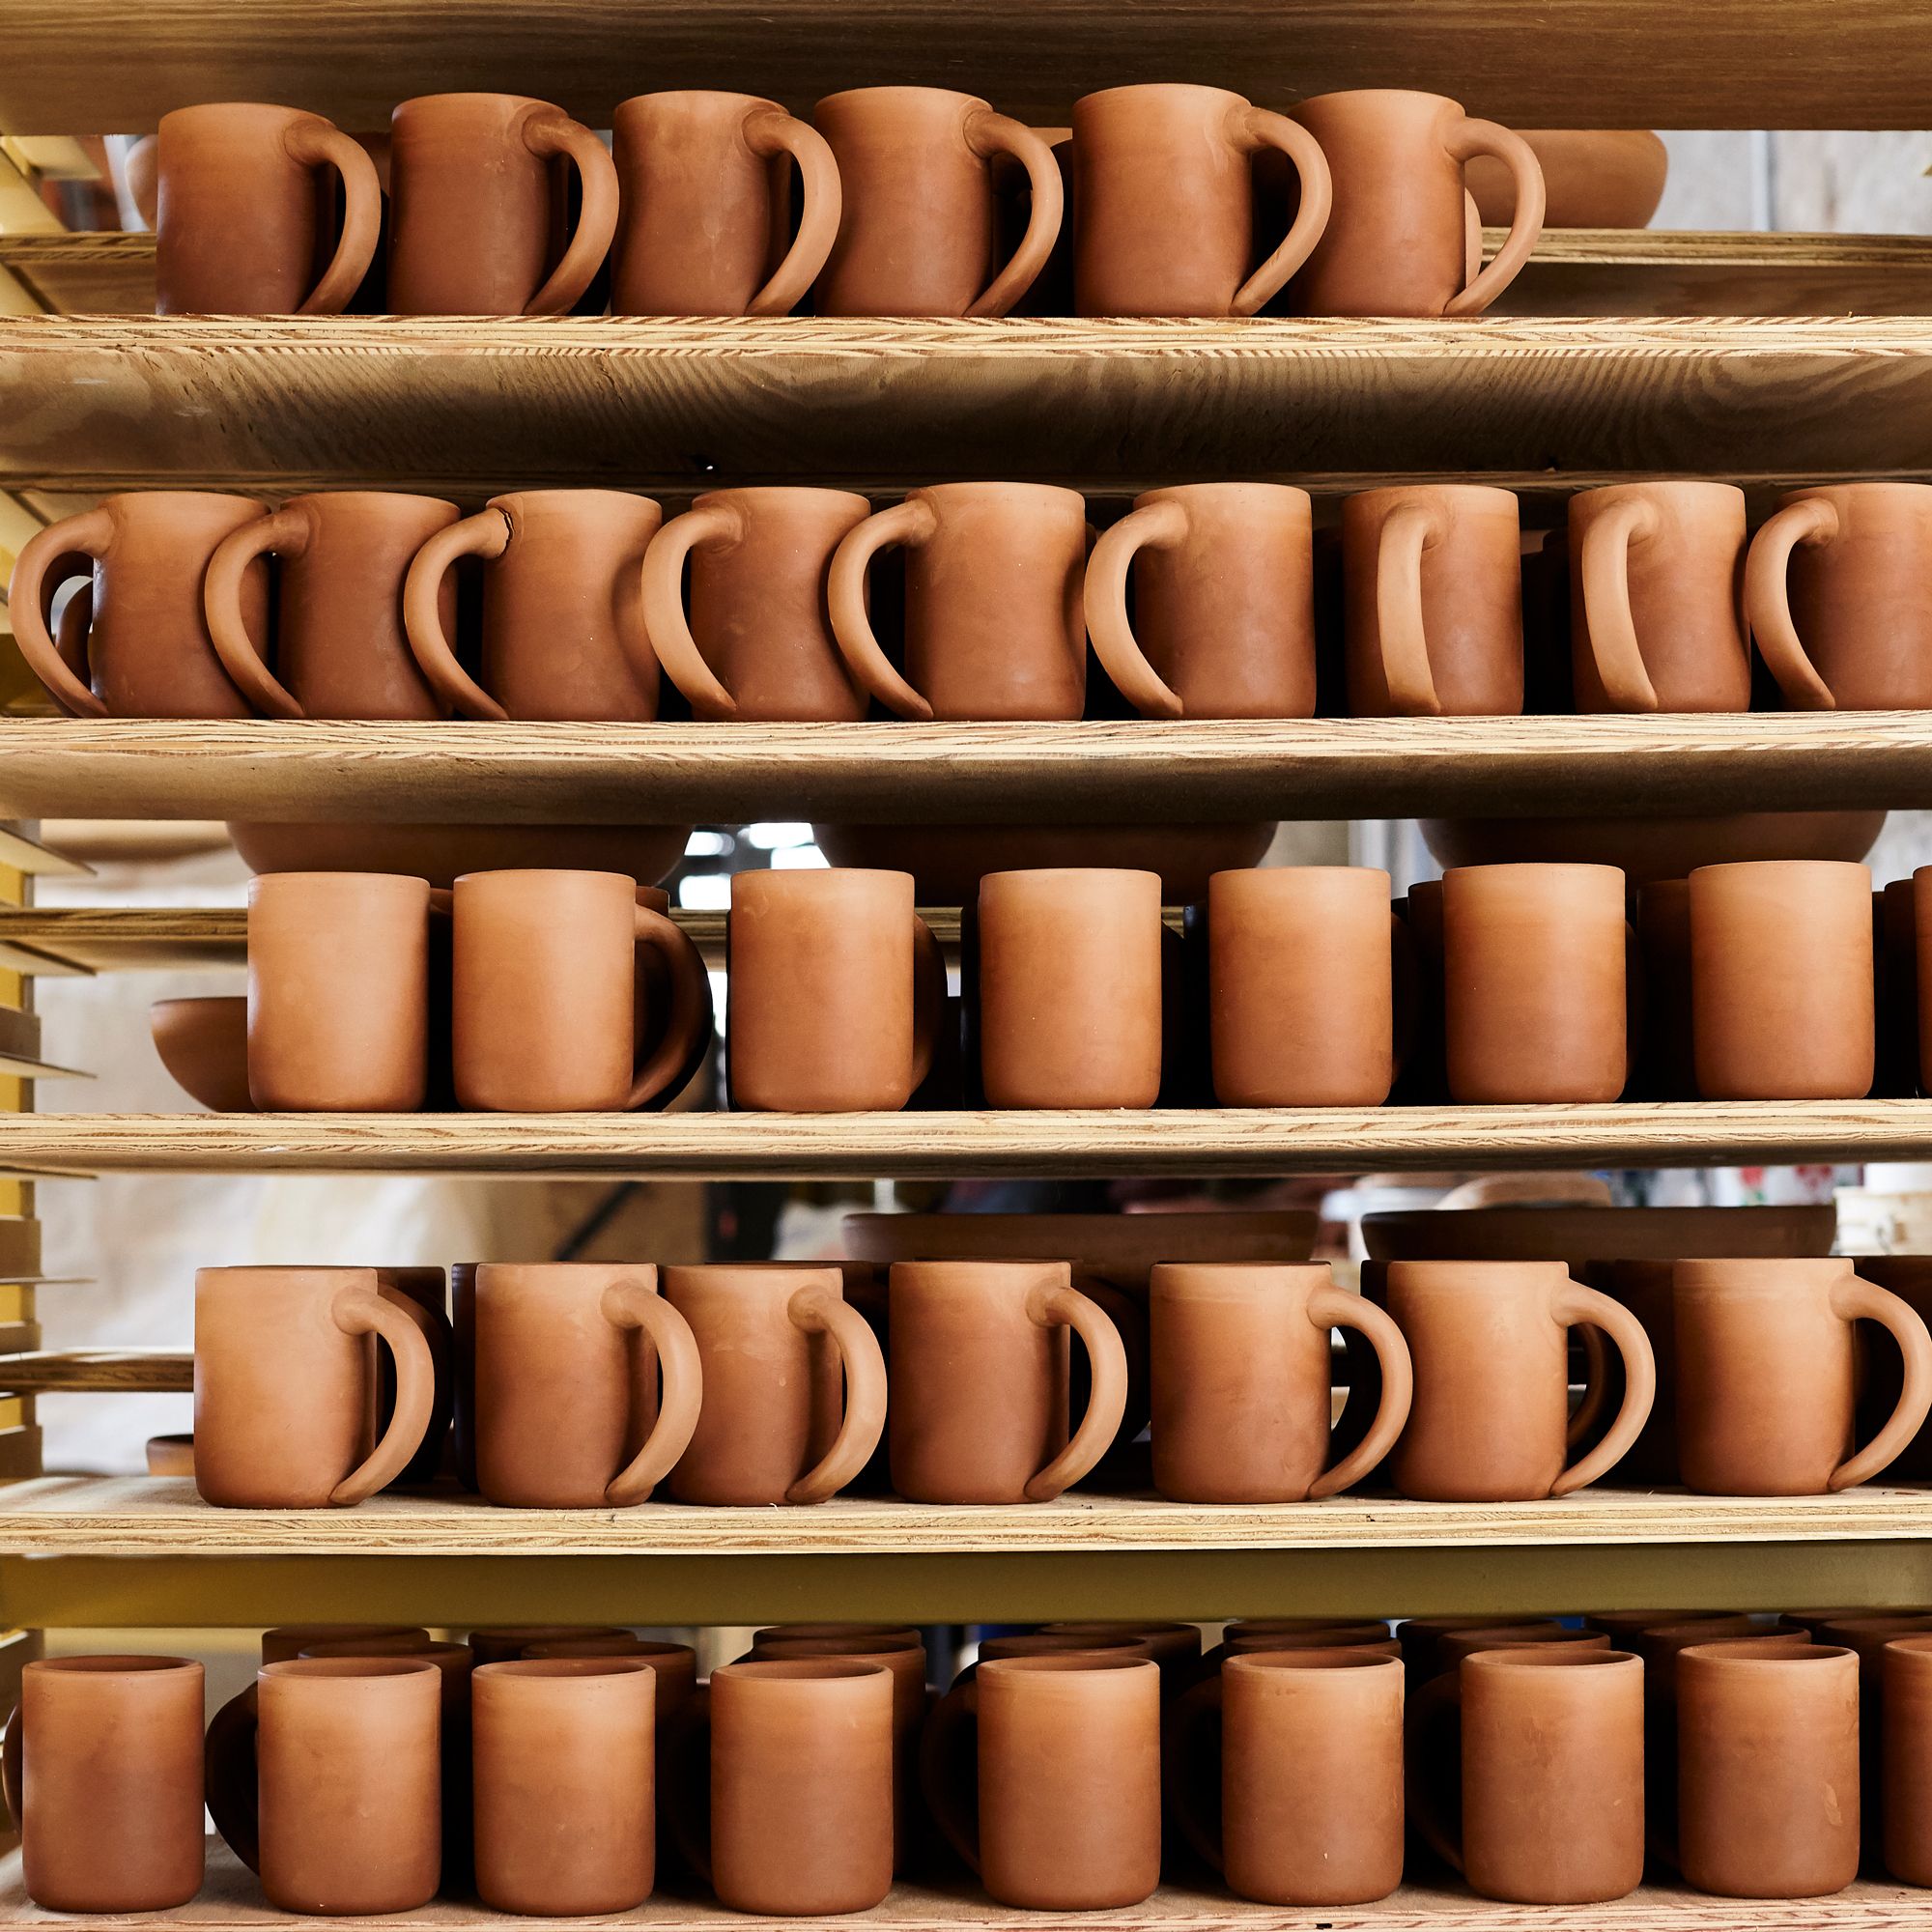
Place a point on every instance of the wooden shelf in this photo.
(119, 1370)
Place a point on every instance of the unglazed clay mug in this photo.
(776, 1338)
(1068, 988)
(338, 647)
(704, 192)
(102, 1776)
(1224, 598)
(1162, 183)
(1656, 617)
(475, 190)
(980, 1379)
(285, 1397)
(918, 225)
(544, 993)
(287, 1641)
(338, 992)
(145, 652)
(1905, 1785)
(1397, 241)
(1782, 999)
(568, 1359)
(1242, 1377)
(756, 642)
(1535, 992)
(239, 222)
(1766, 1357)
(834, 991)
(563, 624)
(993, 621)
(1490, 1345)
(1834, 595)
(1431, 591)
(1921, 932)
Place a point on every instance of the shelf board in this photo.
(463, 405)
(120, 1370)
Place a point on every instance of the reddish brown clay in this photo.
(505, 1643)
(1174, 1647)
(1905, 1790)
(1452, 1646)
(900, 1636)
(1592, 178)
(287, 1641)
(170, 1455)
(442, 853)
(203, 1044)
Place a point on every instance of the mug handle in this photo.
(233, 1782)
(1473, 137)
(284, 532)
(551, 133)
(1190, 1762)
(1862, 1300)
(1404, 642)
(635, 1303)
(949, 1758)
(374, 1314)
(1811, 520)
(665, 623)
(928, 1000)
(1064, 1307)
(690, 1004)
(911, 521)
(819, 1313)
(987, 135)
(1259, 127)
(12, 1770)
(1429, 1708)
(684, 1779)
(1604, 564)
(1331, 1308)
(485, 534)
(770, 132)
(1104, 595)
(1574, 1304)
(316, 143)
(87, 534)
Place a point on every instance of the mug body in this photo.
(1857, 597)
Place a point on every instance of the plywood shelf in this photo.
(118, 1371)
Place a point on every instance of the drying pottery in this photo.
(203, 1044)
(1905, 1784)
(505, 1643)
(170, 1455)
(442, 853)
(287, 1641)
(1577, 1235)
(1592, 178)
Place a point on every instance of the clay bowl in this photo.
(203, 1044)
(1580, 1234)
(171, 1455)
(1592, 177)
(440, 853)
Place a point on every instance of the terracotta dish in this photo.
(203, 1044)
(1592, 178)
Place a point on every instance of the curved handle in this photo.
(948, 1767)
(228, 1769)
(1603, 563)
(1767, 600)
(1107, 1394)
(485, 534)
(1862, 1300)
(358, 1313)
(1332, 1308)
(771, 132)
(87, 534)
(987, 135)
(286, 532)
(1190, 1763)
(1433, 1706)
(316, 143)
(928, 999)
(819, 1311)
(684, 1779)
(1257, 127)
(690, 1004)
(912, 521)
(1589, 1411)
(11, 1767)
(664, 621)
(1574, 1303)
(1485, 137)
(552, 134)
(1404, 642)
(635, 1304)
(1104, 594)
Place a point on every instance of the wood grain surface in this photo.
(119, 1370)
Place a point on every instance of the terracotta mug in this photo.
(103, 1778)
(1766, 1363)
(1162, 182)
(137, 645)
(1550, 1774)
(1905, 1787)
(544, 994)
(1535, 987)
(563, 626)
(1490, 1345)
(1432, 592)
(993, 621)
(338, 992)
(1067, 988)
(325, 1779)
(240, 224)
(569, 1355)
(1656, 619)
(475, 195)
(1174, 1647)
(759, 560)
(1299, 1799)
(1241, 1381)
(338, 646)
(1224, 600)
(704, 185)
(1454, 1645)
(287, 1641)
(775, 1339)
(505, 1643)
(981, 1383)
(918, 225)
(1064, 1754)
(1398, 240)
(285, 1386)
(1782, 998)
(1921, 931)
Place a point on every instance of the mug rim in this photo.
(1326, 1657)
(566, 1668)
(111, 1664)
(1550, 1656)
(1065, 1662)
(800, 1669)
(351, 1667)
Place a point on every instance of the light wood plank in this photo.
(129, 1370)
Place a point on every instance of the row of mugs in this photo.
(916, 201)
(583, 598)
